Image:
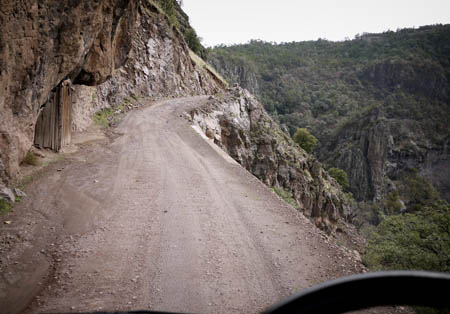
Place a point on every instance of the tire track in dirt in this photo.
(168, 224)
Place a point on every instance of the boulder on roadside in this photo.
(7, 194)
(19, 192)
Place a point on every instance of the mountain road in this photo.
(155, 218)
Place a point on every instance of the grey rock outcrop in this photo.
(19, 193)
(159, 65)
(7, 194)
(238, 123)
(242, 72)
(362, 151)
(374, 149)
(418, 77)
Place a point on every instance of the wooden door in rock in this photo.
(54, 125)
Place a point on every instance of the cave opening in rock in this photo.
(54, 125)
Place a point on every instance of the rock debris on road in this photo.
(157, 219)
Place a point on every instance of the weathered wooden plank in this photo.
(66, 115)
(39, 132)
(54, 125)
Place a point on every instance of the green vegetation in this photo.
(31, 159)
(306, 141)
(180, 21)
(417, 191)
(168, 6)
(5, 207)
(286, 196)
(341, 92)
(193, 41)
(393, 204)
(411, 236)
(414, 193)
(104, 117)
(316, 84)
(418, 241)
(340, 176)
(109, 116)
(203, 65)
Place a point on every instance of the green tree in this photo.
(340, 176)
(306, 140)
(393, 204)
(418, 191)
(419, 241)
(168, 7)
(193, 41)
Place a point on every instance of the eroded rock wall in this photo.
(374, 149)
(242, 72)
(112, 50)
(239, 124)
(158, 66)
(44, 42)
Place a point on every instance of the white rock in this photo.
(7, 194)
(19, 192)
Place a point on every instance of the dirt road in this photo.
(157, 219)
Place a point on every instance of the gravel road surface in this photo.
(155, 218)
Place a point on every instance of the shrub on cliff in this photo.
(340, 176)
(31, 159)
(417, 190)
(419, 241)
(392, 203)
(5, 207)
(306, 140)
(193, 41)
(177, 18)
(286, 196)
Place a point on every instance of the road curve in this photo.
(157, 219)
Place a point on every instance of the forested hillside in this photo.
(378, 104)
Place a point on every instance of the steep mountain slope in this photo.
(378, 104)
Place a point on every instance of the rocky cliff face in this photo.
(361, 149)
(241, 71)
(375, 148)
(45, 42)
(238, 123)
(417, 77)
(113, 51)
(158, 66)
(408, 131)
